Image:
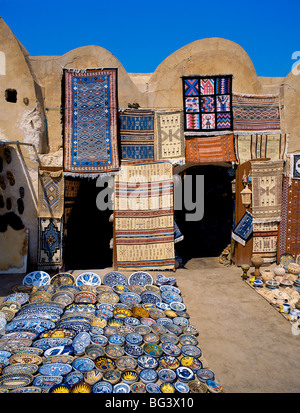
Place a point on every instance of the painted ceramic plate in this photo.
(119, 289)
(59, 350)
(191, 350)
(73, 378)
(37, 278)
(63, 278)
(55, 369)
(126, 362)
(185, 373)
(153, 388)
(148, 375)
(88, 278)
(63, 297)
(134, 338)
(129, 376)
(49, 342)
(205, 374)
(104, 363)
(4, 361)
(180, 321)
(151, 338)
(169, 362)
(108, 297)
(21, 298)
(167, 375)
(170, 349)
(60, 388)
(83, 364)
(140, 278)
(147, 362)
(142, 329)
(133, 350)
(173, 328)
(181, 387)
(64, 358)
(168, 336)
(169, 288)
(130, 298)
(37, 324)
(191, 362)
(153, 350)
(286, 259)
(169, 297)
(81, 387)
(85, 297)
(177, 306)
(214, 387)
(114, 351)
(188, 339)
(29, 389)
(94, 350)
(121, 388)
(163, 306)
(12, 381)
(102, 387)
(80, 342)
(150, 297)
(58, 332)
(117, 339)
(115, 278)
(30, 358)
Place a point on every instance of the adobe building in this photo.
(33, 146)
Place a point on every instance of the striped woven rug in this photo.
(144, 216)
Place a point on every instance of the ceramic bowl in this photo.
(214, 387)
(121, 388)
(153, 349)
(167, 388)
(167, 375)
(181, 387)
(293, 268)
(258, 283)
(272, 284)
(129, 376)
(81, 387)
(197, 386)
(138, 387)
(286, 283)
(279, 271)
(148, 375)
(112, 376)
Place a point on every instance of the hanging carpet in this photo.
(50, 235)
(137, 134)
(90, 124)
(210, 149)
(255, 112)
(265, 237)
(144, 216)
(51, 192)
(243, 230)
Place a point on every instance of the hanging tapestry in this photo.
(290, 223)
(266, 190)
(255, 146)
(207, 103)
(90, 124)
(265, 236)
(137, 134)
(170, 137)
(144, 216)
(210, 149)
(295, 165)
(255, 113)
(243, 231)
(51, 192)
(71, 191)
(282, 244)
(50, 242)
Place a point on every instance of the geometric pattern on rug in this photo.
(207, 103)
(90, 127)
(210, 149)
(51, 192)
(144, 216)
(50, 242)
(265, 238)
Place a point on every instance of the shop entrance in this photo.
(88, 231)
(209, 236)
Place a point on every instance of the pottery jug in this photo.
(267, 275)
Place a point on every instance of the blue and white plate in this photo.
(130, 298)
(190, 350)
(147, 362)
(205, 374)
(140, 278)
(170, 349)
(133, 350)
(88, 278)
(163, 306)
(167, 375)
(4, 353)
(37, 324)
(73, 378)
(153, 388)
(99, 339)
(148, 375)
(4, 361)
(181, 387)
(37, 278)
(169, 297)
(134, 338)
(46, 382)
(173, 328)
(102, 387)
(21, 298)
(80, 342)
(184, 373)
(131, 321)
(180, 321)
(59, 350)
(121, 388)
(150, 297)
(116, 339)
(177, 306)
(162, 321)
(55, 369)
(169, 288)
(83, 364)
(115, 278)
(49, 342)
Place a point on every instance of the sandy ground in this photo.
(244, 340)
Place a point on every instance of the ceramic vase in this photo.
(257, 261)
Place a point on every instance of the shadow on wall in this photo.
(18, 216)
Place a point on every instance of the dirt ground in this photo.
(246, 342)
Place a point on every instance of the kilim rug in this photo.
(265, 236)
(282, 245)
(51, 192)
(90, 124)
(266, 190)
(137, 134)
(210, 149)
(255, 113)
(207, 103)
(144, 216)
(290, 224)
(169, 137)
(255, 146)
(50, 242)
(243, 231)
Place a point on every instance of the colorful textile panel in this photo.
(243, 231)
(170, 137)
(289, 228)
(50, 242)
(255, 113)
(212, 149)
(254, 146)
(295, 165)
(137, 134)
(265, 238)
(266, 190)
(144, 216)
(207, 103)
(51, 192)
(90, 127)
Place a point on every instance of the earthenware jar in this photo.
(279, 271)
(257, 261)
(245, 268)
(293, 268)
(267, 275)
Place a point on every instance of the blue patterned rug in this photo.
(243, 230)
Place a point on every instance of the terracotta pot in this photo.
(267, 275)
(257, 261)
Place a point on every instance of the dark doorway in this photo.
(209, 236)
(88, 231)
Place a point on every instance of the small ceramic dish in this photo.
(167, 388)
(129, 376)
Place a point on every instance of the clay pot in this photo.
(257, 261)
(267, 275)
(293, 268)
(279, 271)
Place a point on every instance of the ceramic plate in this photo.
(121, 388)
(21, 298)
(63, 278)
(191, 350)
(181, 387)
(169, 362)
(169, 297)
(108, 297)
(185, 373)
(140, 278)
(150, 297)
(88, 278)
(153, 388)
(73, 378)
(167, 375)
(12, 381)
(55, 369)
(114, 351)
(133, 350)
(25, 358)
(205, 374)
(115, 278)
(126, 362)
(134, 338)
(102, 387)
(37, 324)
(117, 339)
(94, 350)
(83, 364)
(46, 382)
(148, 375)
(170, 349)
(63, 297)
(59, 350)
(286, 259)
(37, 278)
(104, 363)
(49, 342)
(177, 306)
(188, 339)
(153, 350)
(147, 362)
(130, 298)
